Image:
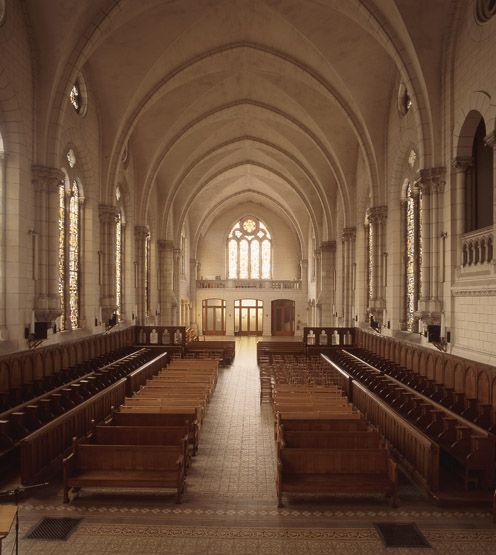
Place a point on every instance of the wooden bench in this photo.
(336, 471)
(357, 439)
(114, 466)
(162, 418)
(142, 435)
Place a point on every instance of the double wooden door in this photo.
(248, 317)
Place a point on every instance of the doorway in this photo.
(283, 317)
(214, 317)
(248, 317)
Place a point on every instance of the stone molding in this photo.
(431, 180)
(44, 177)
(141, 231)
(473, 291)
(165, 244)
(328, 246)
(108, 213)
(377, 214)
(490, 140)
(462, 163)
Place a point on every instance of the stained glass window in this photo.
(74, 256)
(370, 259)
(75, 97)
(413, 254)
(62, 253)
(249, 250)
(147, 275)
(118, 264)
(69, 218)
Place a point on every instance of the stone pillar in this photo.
(377, 219)
(168, 301)
(46, 182)
(176, 282)
(349, 240)
(141, 235)
(461, 166)
(304, 284)
(328, 268)
(3, 249)
(193, 273)
(431, 184)
(108, 219)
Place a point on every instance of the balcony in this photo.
(477, 248)
(249, 284)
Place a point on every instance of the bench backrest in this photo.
(150, 419)
(330, 461)
(352, 439)
(126, 457)
(338, 424)
(140, 435)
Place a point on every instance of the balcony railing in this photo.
(477, 247)
(248, 284)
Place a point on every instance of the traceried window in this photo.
(249, 250)
(370, 260)
(69, 245)
(147, 275)
(118, 264)
(413, 254)
(119, 255)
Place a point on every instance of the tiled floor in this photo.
(230, 502)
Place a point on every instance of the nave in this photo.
(230, 503)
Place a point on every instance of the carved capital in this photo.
(377, 214)
(328, 246)
(431, 180)
(108, 213)
(47, 179)
(349, 234)
(141, 231)
(490, 140)
(462, 163)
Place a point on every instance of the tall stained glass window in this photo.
(413, 254)
(249, 250)
(147, 275)
(69, 217)
(118, 264)
(370, 259)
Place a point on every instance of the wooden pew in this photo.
(174, 418)
(357, 439)
(150, 466)
(338, 471)
(142, 435)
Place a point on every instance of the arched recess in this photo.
(470, 386)
(207, 218)
(483, 389)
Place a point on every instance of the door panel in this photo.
(283, 317)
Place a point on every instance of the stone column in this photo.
(176, 282)
(423, 187)
(437, 195)
(46, 182)
(328, 267)
(108, 220)
(3, 249)
(377, 219)
(141, 234)
(193, 273)
(461, 166)
(349, 239)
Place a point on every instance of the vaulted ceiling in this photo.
(225, 101)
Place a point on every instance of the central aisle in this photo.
(236, 459)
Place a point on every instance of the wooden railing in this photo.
(138, 377)
(418, 452)
(43, 450)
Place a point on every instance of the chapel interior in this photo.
(269, 205)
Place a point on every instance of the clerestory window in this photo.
(249, 247)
